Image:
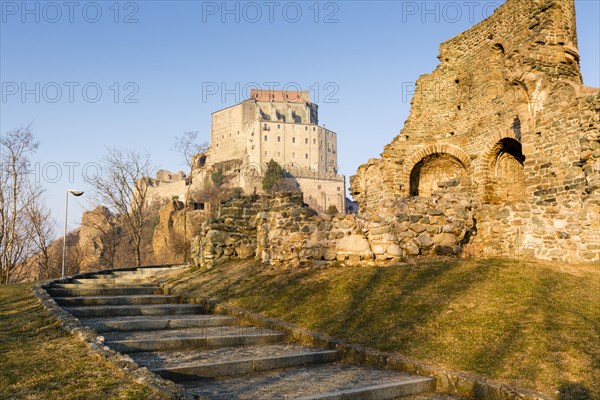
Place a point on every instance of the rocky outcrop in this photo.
(170, 237)
(96, 231)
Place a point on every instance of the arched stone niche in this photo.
(506, 177)
(435, 172)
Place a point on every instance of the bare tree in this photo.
(25, 224)
(123, 187)
(190, 150)
(41, 229)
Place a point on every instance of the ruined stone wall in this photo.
(230, 236)
(284, 232)
(504, 116)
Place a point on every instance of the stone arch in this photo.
(503, 171)
(499, 46)
(429, 160)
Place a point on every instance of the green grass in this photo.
(532, 325)
(39, 360)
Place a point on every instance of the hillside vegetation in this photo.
(536, 326)
(39, 360)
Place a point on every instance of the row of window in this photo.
(223, 136)
(293, 140)
(338, 188)
(293, 155)
(329, 147)
(266, 128)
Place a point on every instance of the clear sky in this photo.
(135, 74)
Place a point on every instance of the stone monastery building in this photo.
(279, 125)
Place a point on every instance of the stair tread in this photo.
(142, 309)
(97, 284)
(124, 296)
(78, 286)
(219, 331)
(175, 359)
(141, 318)
(298, 382)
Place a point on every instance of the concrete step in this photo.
(125, 277)
(112, 281)
(146, 271)
(95, 284)
(328, 381)
(117, 300)
(131, 310)
(231, 361)
(79, 290)
(192, 338)
(155, 322)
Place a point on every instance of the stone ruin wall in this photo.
(504, 121)
(283, 231)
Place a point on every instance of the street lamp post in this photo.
(75, 193)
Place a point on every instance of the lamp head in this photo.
(76, 193)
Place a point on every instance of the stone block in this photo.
(445, 239)
(425, 241)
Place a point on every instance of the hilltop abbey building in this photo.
(270, 125)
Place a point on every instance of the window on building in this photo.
(321, 158)
(314, 141)
(278, 154)
(338, 189)
(293, 140)
(314, 129)
(293, 155)
(265, 138)
(319, 187)
(278, 126)
(306, 141)
(279, 138)
(306, 156)
(266, 127)
(306, 128)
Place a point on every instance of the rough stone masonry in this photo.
(500, 156)
(505, 124)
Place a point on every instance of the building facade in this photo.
(272, 125)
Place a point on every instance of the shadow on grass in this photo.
(501, 319)
(573, 391)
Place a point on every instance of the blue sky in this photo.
(135, 74)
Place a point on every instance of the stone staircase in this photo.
(214, 356)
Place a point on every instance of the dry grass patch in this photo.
(39, 360)
(533, 325)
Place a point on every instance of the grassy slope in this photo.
(39, 360)
(533, 325)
